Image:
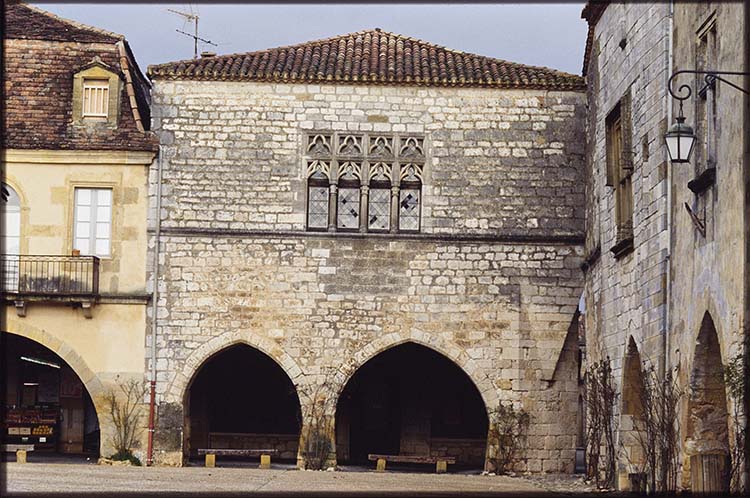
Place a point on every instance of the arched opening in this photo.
(632, 433)
(46, 404)
(10, 242)
(411, 400)
(707, 441)
(242, 399)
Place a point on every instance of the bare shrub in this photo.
(657, 434)
(124, 410)
(734, 378)
(600, 396)
(508, 432)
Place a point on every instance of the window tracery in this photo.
(367, 182)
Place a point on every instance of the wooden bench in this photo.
(212, 453)
(441, 461)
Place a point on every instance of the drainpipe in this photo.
(668, 297)
(154, 311)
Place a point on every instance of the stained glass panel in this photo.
(348, 208)
(408, 209)
(379, 209)
(317, 207)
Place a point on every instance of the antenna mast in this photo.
(194, 36)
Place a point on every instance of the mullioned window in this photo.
(364, 182)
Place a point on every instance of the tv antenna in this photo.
(194, 35)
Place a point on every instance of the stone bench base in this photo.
(441, 462)
(212, 453)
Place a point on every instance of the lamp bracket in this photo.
(710, 77)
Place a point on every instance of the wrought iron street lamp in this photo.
(680, 137)
(680, 140)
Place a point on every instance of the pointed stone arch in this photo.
(240, 395)
(631, 456)
(707, 433)
(446, 348)
(406, 387)
(181, 381)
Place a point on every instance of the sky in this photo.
(551, 35)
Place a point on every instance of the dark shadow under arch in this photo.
(45, 402)
(632, 433)
(707, 425)
(411, 400)
(241, 398)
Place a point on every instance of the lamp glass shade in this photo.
(680, 141)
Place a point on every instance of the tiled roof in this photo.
(368, 57)
(38, 70)
(24, 21)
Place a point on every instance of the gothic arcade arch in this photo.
(448, 349)
(632, 432)
(241, 397)
(707, 434)
(411, 399)
(181, 382)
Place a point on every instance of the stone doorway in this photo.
(411, 400)
(707, 442)
(46, 405)
(240, 398)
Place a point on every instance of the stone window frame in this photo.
(97, 70)
(619, 151)
(706, 57)
(364, 160)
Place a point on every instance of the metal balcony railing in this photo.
(49, 276)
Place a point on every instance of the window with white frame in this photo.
(95, 98)
(364, 182)
(93, 221)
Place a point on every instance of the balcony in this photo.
(65, 279)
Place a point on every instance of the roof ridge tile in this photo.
(374, 56)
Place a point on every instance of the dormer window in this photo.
(96, 95)
(95, 98)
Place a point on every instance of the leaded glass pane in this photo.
(348, 212)
(408, 209)
(317, 207)
(379, 209)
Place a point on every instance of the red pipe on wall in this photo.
(151, 410)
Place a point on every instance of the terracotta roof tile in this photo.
(368, 57)
(38, 85)
(27, 22)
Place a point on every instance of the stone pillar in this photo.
(333, 201)
(364, 195)
(395, 190)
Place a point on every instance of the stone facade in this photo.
(491, 282)
(626, 295)
(707, 288)
(676, 302)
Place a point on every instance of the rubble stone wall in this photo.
(491, 282)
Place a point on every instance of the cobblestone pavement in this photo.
(70, 478)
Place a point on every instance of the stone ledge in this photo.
(569, 239)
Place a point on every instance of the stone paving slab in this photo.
(69, 479)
